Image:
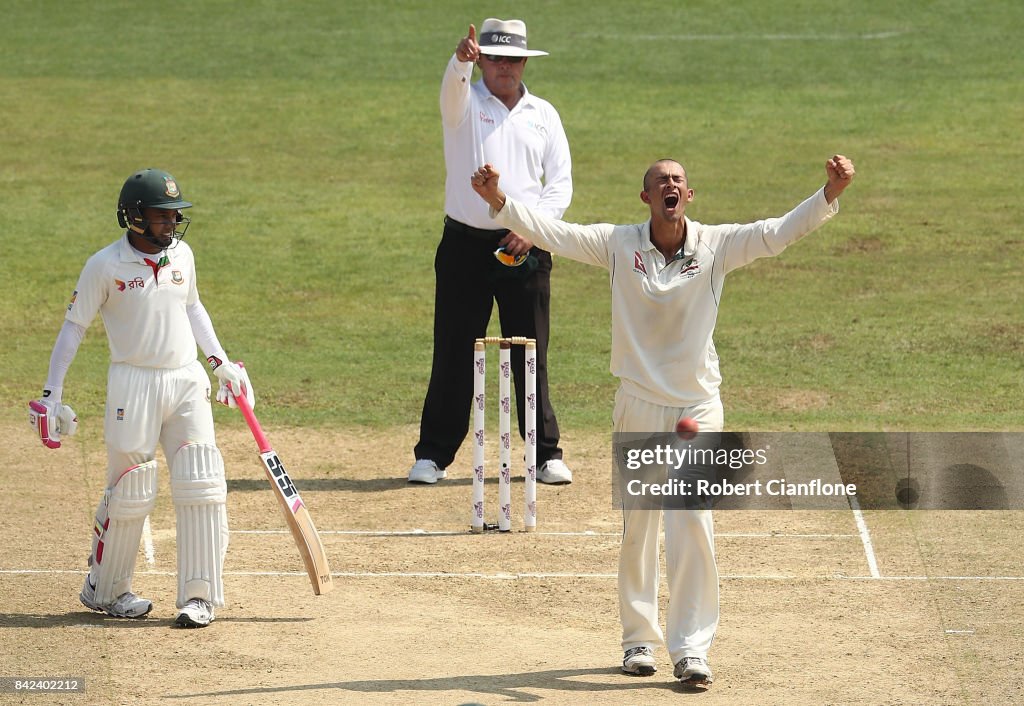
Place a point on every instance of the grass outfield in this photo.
(307, 134)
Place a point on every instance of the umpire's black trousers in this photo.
(468, 282)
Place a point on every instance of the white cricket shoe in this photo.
(694, 672)
(127, 605)
(554, 472)
(426, 471)
(639, 661)
(196, 613)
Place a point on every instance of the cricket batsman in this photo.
(143, 285)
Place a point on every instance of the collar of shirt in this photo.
(128, 253)
(483, 93)
(685, 252)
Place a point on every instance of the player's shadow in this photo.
(356, 485)
(510, 687)
(89, 618)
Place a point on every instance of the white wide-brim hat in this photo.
(505, 38)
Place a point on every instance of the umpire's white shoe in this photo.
(639, 661)
(196, 613)
(554, 472)
(694, 672)
(426, 471)
(127, 605)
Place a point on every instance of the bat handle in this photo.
(250, 418)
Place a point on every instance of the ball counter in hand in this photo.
(502, 256)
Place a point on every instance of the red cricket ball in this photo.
(687, 428)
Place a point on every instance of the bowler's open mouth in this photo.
(672, 200)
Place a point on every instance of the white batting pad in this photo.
(118, 529)
(200, 503)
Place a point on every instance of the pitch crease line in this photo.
(459, 533)
(438, 574)
(865, 537)
(428, 533)
(930, 578)
(501, 576)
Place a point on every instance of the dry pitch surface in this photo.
(441, 616)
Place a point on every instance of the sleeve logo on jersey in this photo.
(74, 296)
(638, 263)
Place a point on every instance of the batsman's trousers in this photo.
(146, 406)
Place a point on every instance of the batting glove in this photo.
(234, 380)
(52, 420)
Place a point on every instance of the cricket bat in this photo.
(295, 513)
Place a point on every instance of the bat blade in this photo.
(307, 539)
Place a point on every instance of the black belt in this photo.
(479, 233)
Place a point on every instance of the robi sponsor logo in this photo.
(137, 283)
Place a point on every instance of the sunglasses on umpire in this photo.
(498, 59)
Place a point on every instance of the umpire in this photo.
(493, 120)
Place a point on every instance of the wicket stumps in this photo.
(505, 431)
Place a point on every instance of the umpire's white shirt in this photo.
(663, 314)
(143, 309)
(527, 144)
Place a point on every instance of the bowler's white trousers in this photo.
(689, 548)
(146, 406)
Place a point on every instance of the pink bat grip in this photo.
(250, 418)
(254, 424)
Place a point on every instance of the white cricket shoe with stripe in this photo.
(127, 605)
(554, 472)
(196, 613)
(639, 661)
(426, 471)
(694, 672)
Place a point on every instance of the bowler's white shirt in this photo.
(526, 144)
(663, 315)
(143, 312)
